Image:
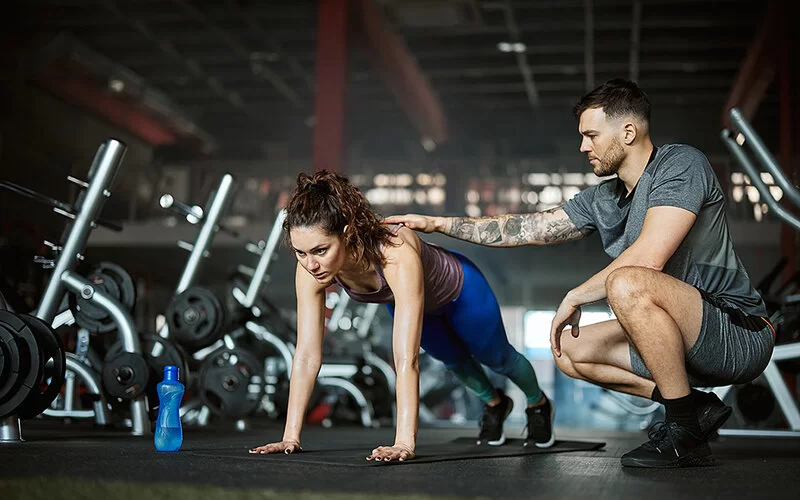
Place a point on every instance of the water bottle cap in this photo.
(171, 372)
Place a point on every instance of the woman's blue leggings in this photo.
(469, 331)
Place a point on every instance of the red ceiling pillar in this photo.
(329, 93)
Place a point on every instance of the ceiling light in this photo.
(428, 144)
(116, 85)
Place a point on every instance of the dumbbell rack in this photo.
(85, 217)
(198, 250)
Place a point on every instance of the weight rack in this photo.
(85, 217)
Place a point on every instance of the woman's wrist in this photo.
(408, 445)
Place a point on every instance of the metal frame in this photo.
(367, 411)
(100, 412)
(205, 236)
(102, 174)
(775, 381)
(267, 255)
(207, 231)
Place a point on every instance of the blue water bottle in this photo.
(169, 433)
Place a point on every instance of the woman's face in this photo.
(321, 254)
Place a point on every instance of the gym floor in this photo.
(76, 461)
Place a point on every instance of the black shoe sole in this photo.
(699, 458)
(681, 462)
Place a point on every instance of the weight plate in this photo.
(125, 375)
(9, 355)
(123, 280)
(54, 368)
(114, 281)
(30, 363)
(231, 383)
(195, 318)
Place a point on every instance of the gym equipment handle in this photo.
(64, 208)
(192, 214)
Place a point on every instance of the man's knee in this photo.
(627, 286)
(566, 362)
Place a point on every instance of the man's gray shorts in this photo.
(732, 348)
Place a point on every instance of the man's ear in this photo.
(629, 133)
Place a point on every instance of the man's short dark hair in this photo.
(617, 97)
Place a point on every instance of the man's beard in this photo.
(611, 160)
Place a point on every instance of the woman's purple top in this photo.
(441, 272)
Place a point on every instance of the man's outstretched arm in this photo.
(509, 230)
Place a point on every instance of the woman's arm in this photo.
(403, 272)
(308, 352)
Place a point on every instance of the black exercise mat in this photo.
(458, 449)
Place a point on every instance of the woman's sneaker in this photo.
(492, 421)
(540, 425)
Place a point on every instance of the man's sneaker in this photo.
(671, 445)
(712, 414)
(492, 421)
(540, 425)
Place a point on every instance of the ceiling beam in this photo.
(171, 79)
(153, 13)
(373, 89)
(259, 70)
(300, 33)
(192, 41)
(369, 104)
(258, 29)
(515, 37)
(522, 57)
(281, 7)
(402, 74)
(168, 49)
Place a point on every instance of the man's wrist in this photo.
(440, 224)
(572, 298)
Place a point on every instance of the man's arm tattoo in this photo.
(541, 228)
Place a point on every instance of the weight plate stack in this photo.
(25, 364)
(54, 368)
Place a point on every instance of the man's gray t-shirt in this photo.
(678, 176)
